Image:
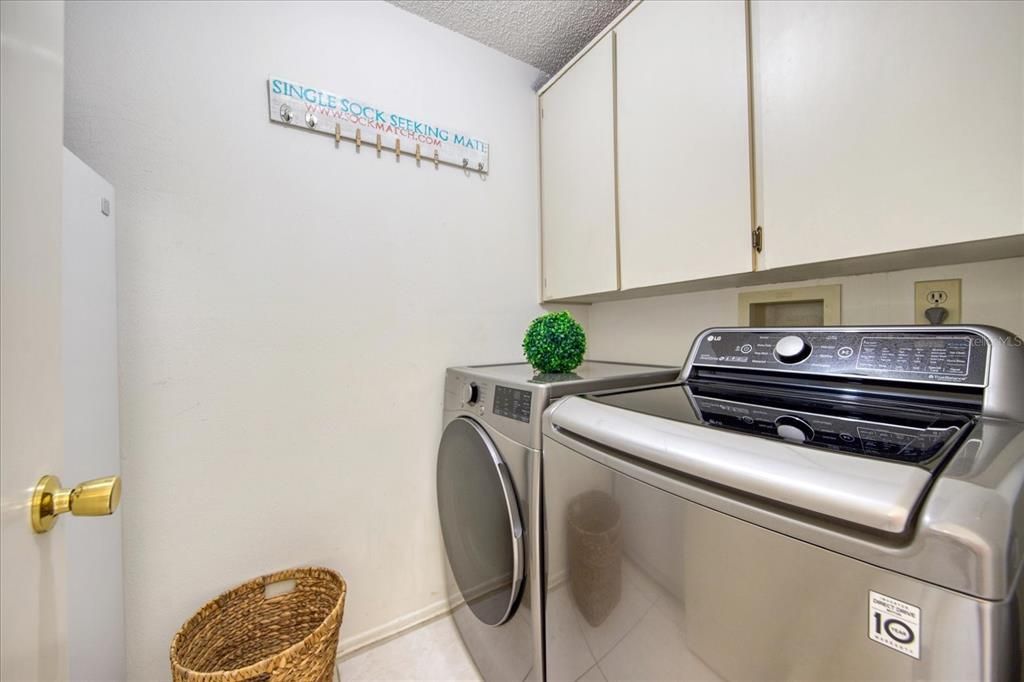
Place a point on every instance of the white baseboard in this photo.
(556, 579)
(349, 646)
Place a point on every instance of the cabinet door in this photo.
(884, 126)
(578, 178)
(684, 142)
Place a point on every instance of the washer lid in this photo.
(480, 521)
(863, 490)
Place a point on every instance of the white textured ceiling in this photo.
(544, 33)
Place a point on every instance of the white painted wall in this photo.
(661, 329)
(287, 309)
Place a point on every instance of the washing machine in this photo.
(489, 502)
(823, 503)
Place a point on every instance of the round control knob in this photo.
(470, 393)
(793, 429)
(792, 349)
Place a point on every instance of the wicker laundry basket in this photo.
(265, 630)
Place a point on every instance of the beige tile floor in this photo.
(638, 641)
(431, 652)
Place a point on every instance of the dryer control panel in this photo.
(514, 403)
(925, 355)
(482, 397)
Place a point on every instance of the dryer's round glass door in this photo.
(480, 521)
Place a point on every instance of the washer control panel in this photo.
(928, 356)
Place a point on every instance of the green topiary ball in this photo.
(555, 343)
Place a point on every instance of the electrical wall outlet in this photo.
(937, 293)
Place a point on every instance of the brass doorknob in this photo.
(98, 497)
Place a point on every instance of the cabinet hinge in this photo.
(757, 238)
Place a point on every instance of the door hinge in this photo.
(757, 238)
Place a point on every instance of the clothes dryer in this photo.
(489, 502)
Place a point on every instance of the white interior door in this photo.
(61, 608)
(95, 585)
(33, 605)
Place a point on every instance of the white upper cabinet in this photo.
(873, 128)
(683, 142)
(884, 126)
(578, 178)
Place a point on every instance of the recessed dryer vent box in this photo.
(797, 307)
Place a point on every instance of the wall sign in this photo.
(347, 118)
